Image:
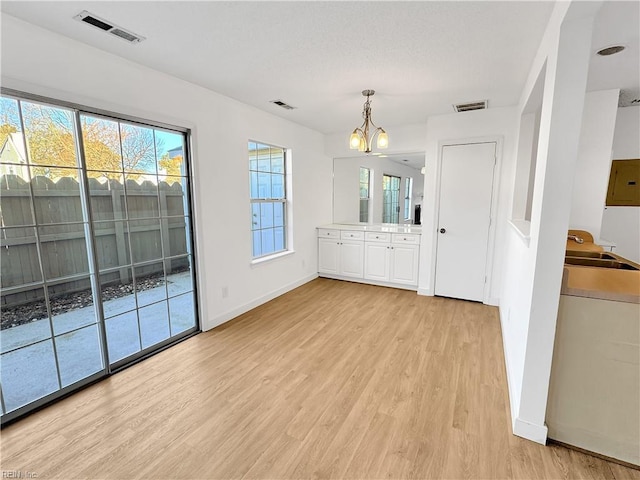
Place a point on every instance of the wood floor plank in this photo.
(331, 380)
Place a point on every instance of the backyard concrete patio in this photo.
(29, 373)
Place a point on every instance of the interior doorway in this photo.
(466, 188)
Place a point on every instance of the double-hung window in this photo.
(268, 193)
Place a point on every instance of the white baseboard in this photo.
(427, 292)
(231, 314)
(505, 351)
(366, 281)
(530, 431)
(493, 301)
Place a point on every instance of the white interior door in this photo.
(466, 185)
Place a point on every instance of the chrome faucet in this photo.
(576, 238)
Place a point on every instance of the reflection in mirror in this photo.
(378, 188)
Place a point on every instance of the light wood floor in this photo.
(332, 380)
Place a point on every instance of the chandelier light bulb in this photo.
(383, 139)
(354, 141)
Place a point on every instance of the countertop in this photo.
(375, 227)
(599, 282)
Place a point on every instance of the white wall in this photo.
(534, 255)
(346, 181)
(493, 123)
(621, 225)
(37, 61)
(594, 161)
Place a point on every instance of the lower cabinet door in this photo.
(404, 264)
(376, 261)
(352, 259)
(328, 256)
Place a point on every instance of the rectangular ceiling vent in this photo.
(108, 27)
(467, 107)
(629, 98)
(280, 103)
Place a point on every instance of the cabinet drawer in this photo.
(405, 238)
(348, 235)
(326, 233)
(377, 237)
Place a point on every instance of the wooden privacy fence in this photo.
(133, 223)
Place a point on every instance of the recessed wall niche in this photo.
(528, 151)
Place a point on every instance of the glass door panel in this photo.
(49, 327)
(390, 199)
(144, 254)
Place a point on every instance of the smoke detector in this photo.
(108, 27)
(467, 107)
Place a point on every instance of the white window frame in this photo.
(286, 203)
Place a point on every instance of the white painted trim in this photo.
(427, 292)
(512, 394)
(530, 431)
(231, 314)
(268, 258)
(493, 301)
(368, 282)
(523, 229)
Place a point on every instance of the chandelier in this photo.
(360, 138)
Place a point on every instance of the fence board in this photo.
(58, 205)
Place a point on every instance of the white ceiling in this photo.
(419, 56)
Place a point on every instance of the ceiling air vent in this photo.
(629, 98)
(280, 103)
(108, 27)
(466, 107)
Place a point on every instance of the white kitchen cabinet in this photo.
(351, 258)
(329, 256)
(376, 261)
(340, 257)
(376, 257)
(404, 264)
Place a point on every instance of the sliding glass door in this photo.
(390, 199)
(97, 260)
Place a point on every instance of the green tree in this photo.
(6, 129)
(109, 147)
(171, 166)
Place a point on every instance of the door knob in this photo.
(443, 230)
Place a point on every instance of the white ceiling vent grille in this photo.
(282, 104)
(467, 107)
(108, 27)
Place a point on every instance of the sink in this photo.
(598, 262)
(586, 254)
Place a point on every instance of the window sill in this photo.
(261, 260)
(523, 229)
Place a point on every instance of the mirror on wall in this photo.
(378, 188)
